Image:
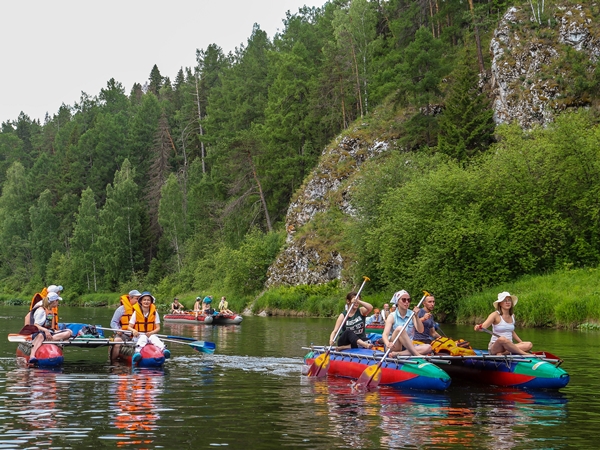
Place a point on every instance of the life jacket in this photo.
(39, 296)
(127, 313)
(144, 324)
(446, 346)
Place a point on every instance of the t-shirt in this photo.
(356, 323)
(400, 321)
(39, 316)
(428, 325)
(115, 322)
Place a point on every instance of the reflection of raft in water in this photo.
(403, 373)
(50, 353)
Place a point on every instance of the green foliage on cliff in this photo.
(527, 206)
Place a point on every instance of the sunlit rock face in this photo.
(306, 258)
(529, 71)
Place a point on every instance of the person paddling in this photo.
(503, 326)
(353, 330)
(395, 323)
(145, 324)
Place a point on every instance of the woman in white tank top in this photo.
(503, 326)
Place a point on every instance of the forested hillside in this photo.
(183, 183)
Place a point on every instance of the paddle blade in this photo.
(370, 377)
(320, 366)
(203, 346)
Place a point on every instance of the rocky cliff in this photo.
(533, 63)
(532, 78)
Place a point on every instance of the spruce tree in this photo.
(466, 125)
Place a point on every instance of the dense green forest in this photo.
(182, 184)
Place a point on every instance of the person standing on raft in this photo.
(145, 324)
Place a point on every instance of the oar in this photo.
(200, 346)
(372, 374)
(320, 365)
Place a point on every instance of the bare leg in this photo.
(114, 351)
(406, 341)
(503, 345)
(37, 343)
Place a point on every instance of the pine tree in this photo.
(466, 125)
(155, 80)
(121, 228)
(84, 247)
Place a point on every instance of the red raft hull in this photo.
(151, 356)
(188, 318)
(48, 355)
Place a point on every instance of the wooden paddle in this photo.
(371, 376)
(320, 365)
(200, 346)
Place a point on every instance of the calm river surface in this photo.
(250, 395)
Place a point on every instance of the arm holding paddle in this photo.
(401, 340)
(320, 365)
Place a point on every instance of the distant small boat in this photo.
(217, 319)
(200, 319)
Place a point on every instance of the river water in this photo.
(250, 395)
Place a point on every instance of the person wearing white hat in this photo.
(41, 318)
(503, 328)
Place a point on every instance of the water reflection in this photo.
(34, 399)
(390, 418)
(135, 401)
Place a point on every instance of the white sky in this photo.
(52, 50)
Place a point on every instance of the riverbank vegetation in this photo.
(181, 186)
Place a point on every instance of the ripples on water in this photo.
(246, 398)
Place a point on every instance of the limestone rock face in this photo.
(524, 69)
(302, 261)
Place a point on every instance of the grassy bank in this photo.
(564, 299)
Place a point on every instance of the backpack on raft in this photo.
(88, 331)
(446, 346)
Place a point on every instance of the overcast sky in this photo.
(54, 49)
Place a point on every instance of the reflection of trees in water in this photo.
(135, 399)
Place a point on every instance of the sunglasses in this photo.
(405, 300)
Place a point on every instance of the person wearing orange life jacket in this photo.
(37, 301)
(145, 324)
(40, 316)
(121, 318)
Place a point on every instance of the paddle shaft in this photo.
(164, 336)
(387, 352)
(325, 356)
(489, 332)
(348, 313)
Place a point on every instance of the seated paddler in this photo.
(145, 325)
(41, 317)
